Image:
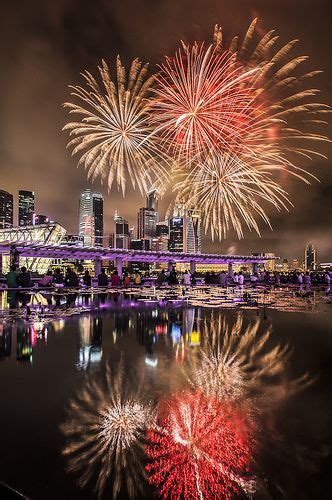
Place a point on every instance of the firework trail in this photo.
(105, 432)
(113, 138)
(201, 449)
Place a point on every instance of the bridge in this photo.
(97, 255)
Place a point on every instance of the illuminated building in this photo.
(159, 244)
(26, 207)
(197, 223)
(38, 219)
(162, 229)
(140, 244)
(91, 222)
(6, 210)
(98, 214)
(310, 258)
(285, 266)
(51, 233)
(176, 234)
(295, 265)
(147, 217)
(270, 265)
(120, 238)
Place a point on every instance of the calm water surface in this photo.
(42, 365)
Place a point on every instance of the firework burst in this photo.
(105, 432)
(203, 100)
(114, 138)
(229, 194)
(244, 108)
(201, 449)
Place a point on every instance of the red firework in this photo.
(204, 99)
(200, 449)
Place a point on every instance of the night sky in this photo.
(46, 44)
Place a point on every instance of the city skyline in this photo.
(23, 160)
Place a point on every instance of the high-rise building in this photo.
(185, 231)
(98, 214)
(177, 234)
(38, 219)
(121, 238)
(6, 209)
(162, 229)
(197, 222)
(285, 266)
(91, 224)
(295, 265)
(147, 217)
(310, 258)
(142, 244)
(26, 207)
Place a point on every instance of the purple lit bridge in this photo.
(97, 255)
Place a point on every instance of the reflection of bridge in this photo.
(39, 250)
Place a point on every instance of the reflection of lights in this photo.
(151, 361)
(194, 338)
(176, 333)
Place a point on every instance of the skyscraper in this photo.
(190, 233)
(147, 217)
(121, 235)
(6, 210)
(176, 234)
(197, 222)
(26, 207)
(98, 214)
(310, 258)
(91, 223)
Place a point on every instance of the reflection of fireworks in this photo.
(105, 432)
(201, 450)
(236, 362)
(113, 137)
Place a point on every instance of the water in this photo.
(44, 363)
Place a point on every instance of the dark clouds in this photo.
(44, 46)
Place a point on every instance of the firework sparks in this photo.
(229, 194)
(201, 449)
(105, 432)
(237, 362)
(203, 99)
(236, 118)
(114, 136)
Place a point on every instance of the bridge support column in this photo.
(230, 270)
(255, 267)
(97, 266)
(118, 265)
(192, 266)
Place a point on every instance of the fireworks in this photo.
(203, 100)
(105, 431)
(229, 194)
(236, 118)
(202, 449)
(114, 136)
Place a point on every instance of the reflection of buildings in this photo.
(26, 207)
(91, 334)
(24, 341)
(6, 210)
(5, 340)
(310, 258)
(51, 233)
